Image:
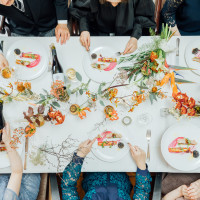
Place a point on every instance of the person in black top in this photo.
(37, 17)
(113, 17)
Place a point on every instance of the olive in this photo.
(17, 52)
(195, 154)
(195, 51)
(121, 145)
(94, 56)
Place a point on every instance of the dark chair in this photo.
(4, 28)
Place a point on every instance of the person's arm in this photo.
(72, 172)
(144, 17)
(169, 13)
(14, 183)
(62, 31)
(142, 187)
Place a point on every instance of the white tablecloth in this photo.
(71, 55)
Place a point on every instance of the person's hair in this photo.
(105, 1)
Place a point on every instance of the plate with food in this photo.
(180, 146)
(17, 142)
(28, 58)
(100, 64)
(110, 145)
(192, 56)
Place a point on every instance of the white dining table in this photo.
(71, 55)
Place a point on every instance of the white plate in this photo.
(183, 162)
(111, 154)
(28, 45)
(96, 75)
(189, 56)
(4, 156)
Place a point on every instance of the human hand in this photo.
(184, 192)
(194, 190)
(62, 33)
(85, 148)
(131, 46)
(175, 29)
(6, 137)
(3, 62)
(85, 39)
(139, 156)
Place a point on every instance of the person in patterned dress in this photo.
(182, 16)
(105, 185)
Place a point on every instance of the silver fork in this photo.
(148, 136)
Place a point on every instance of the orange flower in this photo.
(154, 89)
(56, 115)
(153, 56)
(20, 87)
(88, 93)
(132, 109)
(158, 83)
(93, 99)
(116, 101)
(139, 98)
(82, 113)
(112, 116)
(30, 130)
(112, 93)
(27, 85)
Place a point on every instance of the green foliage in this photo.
(78, 76)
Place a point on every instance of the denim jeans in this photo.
(29, 187)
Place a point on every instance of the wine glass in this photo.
(144, 119)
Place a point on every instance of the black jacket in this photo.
(129, 18)
(39, 16)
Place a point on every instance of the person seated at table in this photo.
(113, 17)
(182, 16)
(37, 18)
(17, 186)
(112, 186)
(181, 187)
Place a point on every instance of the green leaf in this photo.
(78, 76)
(151, 98)
(53, 106)
(81, 91)
(42, 96)
(69, 92)
(178, 80)
(45, 91)
(130, 78)
(41, 101)
(56, 104)
(102, 103)
(9, 99)
(99, 90)
(142, 87)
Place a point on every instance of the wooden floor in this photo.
(82, 193)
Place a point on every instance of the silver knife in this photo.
(177, 51)
(26, 153)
